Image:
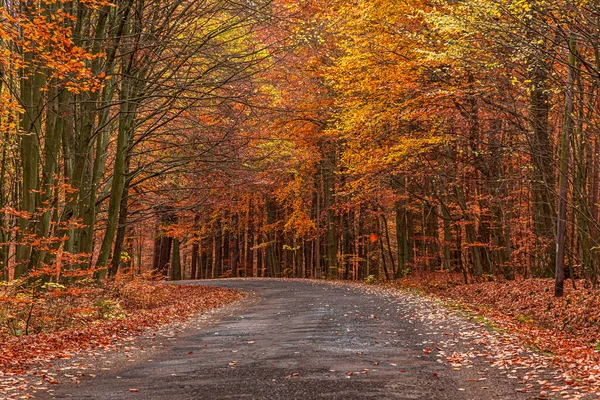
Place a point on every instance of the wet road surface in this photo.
(296, 339)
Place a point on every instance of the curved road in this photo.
(304, 340)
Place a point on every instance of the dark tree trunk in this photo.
(194, 261)
(176, 261)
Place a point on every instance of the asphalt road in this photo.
(303, 340)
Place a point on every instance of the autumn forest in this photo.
(352, 140)
(211, 138)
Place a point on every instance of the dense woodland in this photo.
(341, 139)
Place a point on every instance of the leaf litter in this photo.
(37, 362)
(548, 345)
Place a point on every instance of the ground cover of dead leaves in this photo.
(135, 307)
(550, 345)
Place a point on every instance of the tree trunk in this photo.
(194, 267)
(176, 261)
(563, 183)
(543, 181)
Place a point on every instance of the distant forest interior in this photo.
(358, 140)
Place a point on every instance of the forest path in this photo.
(297, 339)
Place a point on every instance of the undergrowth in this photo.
(41, 320)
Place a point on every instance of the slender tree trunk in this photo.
(33, 79)
(162, 242)
(388, 243)
(122, 226)
(563, 185)
(195, 250)
(176, 261)
(543, 181)
(317, 242)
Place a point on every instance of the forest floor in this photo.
(524, 313)
(424, 337)
(42, 327)
(311, 340)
